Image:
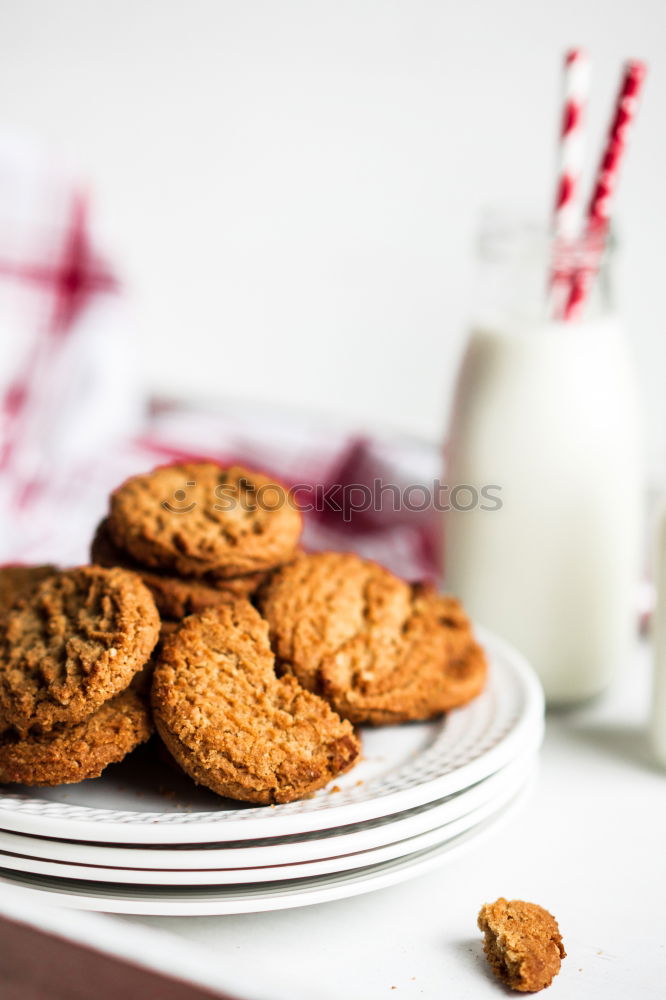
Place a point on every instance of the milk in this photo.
(548, 412)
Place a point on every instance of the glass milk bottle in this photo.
(546, 412)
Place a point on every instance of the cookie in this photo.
(74, 642)
(19, 581)
(198, 519)
(522, 942)
(234, 726)
(378, 649)
(174, 596)
(67, 754)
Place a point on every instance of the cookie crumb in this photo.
(522, 943)
(336, 788)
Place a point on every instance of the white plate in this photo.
(298, 870)
(271, 852)
(403, 767)
(216, 900)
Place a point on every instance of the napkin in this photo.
(75, 420)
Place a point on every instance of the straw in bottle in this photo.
(576, 86)
(576, 90)
(600, 205)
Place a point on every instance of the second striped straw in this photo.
(574, 269)
(599, 209)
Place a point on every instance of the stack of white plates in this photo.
(144, 839)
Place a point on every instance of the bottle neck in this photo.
(526, 276)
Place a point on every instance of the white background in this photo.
(290, 188)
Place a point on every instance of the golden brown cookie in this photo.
(19, 581)
(174, 596)
(73, 643)
(378, 649)
(522, 942)
(67, 754)
(234, 726)
(198, 519)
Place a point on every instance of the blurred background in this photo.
(289, 191)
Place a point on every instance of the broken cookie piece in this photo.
(235, 727)
(522, 943)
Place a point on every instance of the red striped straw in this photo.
(576, 90)
(599, 208)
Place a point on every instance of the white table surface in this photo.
(590, 845)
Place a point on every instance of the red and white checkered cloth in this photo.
(74, 422)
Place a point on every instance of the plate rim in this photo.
(358, 883)
(395, 828)
(351, 861)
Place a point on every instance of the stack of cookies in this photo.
(269, 657)
(71, 647)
